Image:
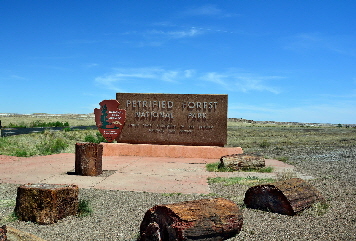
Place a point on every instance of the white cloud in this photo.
(181, 34)
(132, 76)
(17, 77)
(216, 78)
(340, 44)
(241, 82)
(169, 76)
(231, 81)
(205, 10)
(189, 73)
(192, 32)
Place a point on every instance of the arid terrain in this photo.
(325, 152)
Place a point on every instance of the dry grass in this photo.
(274, 141)
(278, 141)
(72, 119)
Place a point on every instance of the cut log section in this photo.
(206, 219)
(46, 203)
(88, 159)
(242, 161)
(285, 197)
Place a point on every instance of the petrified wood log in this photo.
(206, 219)
(242, 161)
(285, 197)
(3, 231)
(46, 203)
(88, 159)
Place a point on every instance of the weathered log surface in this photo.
(285, 197)
(88, 159)
(242, 161)
(206, 219)
(46, 203)
(3, 230)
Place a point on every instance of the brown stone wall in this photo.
(179, 119)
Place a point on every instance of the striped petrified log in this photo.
(206, 219)
(285, 197)
(88, 159)
(46, 203)
(242, 161)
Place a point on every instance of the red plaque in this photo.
(110, 119)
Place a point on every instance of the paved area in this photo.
(127, 173)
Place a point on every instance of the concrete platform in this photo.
(126, 173)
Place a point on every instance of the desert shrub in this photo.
(44, 143)
(38, 123)
(90, 138)
(262, 169)
(52, 146)
(67, 129)
(20, 125)
(94, 139)
(265, 144)
(21, 153)
(249, 181)
(84, 208)
(283, 159)
(217, 167)
(49, 124)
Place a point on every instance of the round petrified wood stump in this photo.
(46, 203)
(206, 219)
(88, 159)
(285, 197)
(242, 161)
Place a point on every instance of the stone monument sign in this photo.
(173, 119)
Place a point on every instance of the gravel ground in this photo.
(118, 214)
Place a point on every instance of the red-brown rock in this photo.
(206, 219)
(3, 230)
(285, 197)
(88, 159)
(46, 203)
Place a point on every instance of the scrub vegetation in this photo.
(273, 141)
(325, 153)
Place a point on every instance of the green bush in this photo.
(52, 146)
(264, 144)
(90, 138)
(21, 153)
(84, 208)
(39, 124)
(95, 139)
(249, 181)
(217, 167)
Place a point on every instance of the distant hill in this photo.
(242, 120)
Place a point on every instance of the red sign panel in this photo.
(110, 119)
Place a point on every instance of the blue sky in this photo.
(276, 60)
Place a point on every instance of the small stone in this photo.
(242, 161)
